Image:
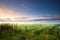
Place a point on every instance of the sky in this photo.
(29, 9)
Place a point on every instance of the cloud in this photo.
(46, 19)
(29, 19)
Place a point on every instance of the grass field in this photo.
(29, 31)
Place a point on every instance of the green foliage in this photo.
(29, 32)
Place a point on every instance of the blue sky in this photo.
(29, 8)
(34, 7)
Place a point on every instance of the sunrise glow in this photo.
(9, 13)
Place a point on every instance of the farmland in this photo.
(29, 31)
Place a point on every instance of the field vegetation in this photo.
(29, 31)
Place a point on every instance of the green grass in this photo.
(29, 31)
(30, 26)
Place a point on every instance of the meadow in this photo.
(29, 31)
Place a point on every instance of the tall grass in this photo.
(36, 32)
